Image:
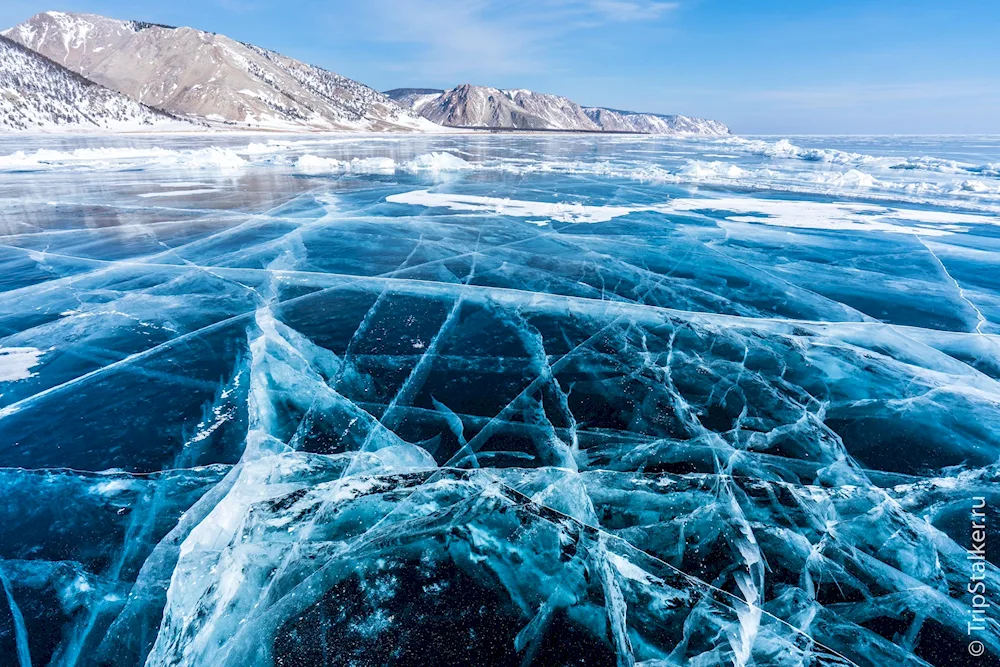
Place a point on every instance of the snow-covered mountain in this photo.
(38, 94)
(653, 123)
(205, 76)
(414, 98)
(481, 106)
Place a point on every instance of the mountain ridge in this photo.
(210, 77)
(214, 80)
(469, 105)
(37, 93)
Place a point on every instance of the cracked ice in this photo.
(498, 401)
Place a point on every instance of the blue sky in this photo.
(779, 67)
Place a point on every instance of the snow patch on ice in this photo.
(119, 158)
(16, 363)
(558, 211)
(842, 216)
(846, 216)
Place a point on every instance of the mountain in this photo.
(413, 98)
(206, 76)
(210, 78)
(38, 94)
(653, 123)
(481, 106)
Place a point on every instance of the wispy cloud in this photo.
(630, 10)
(457, 38)
(493, 37)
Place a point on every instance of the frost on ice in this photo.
(358, 416)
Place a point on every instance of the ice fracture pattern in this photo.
(474, 400)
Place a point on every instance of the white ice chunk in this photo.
(436, 162)
(312, 164)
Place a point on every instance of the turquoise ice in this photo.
(472, 399)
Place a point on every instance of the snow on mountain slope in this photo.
(413, 98)
(38, 94)
(207, 76)
(651, 123)
(557, 112)
(481, 106)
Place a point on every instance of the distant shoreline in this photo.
(528, 130)
(446, 130)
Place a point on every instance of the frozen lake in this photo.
(453, 400)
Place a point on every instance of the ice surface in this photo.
(498, 400)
